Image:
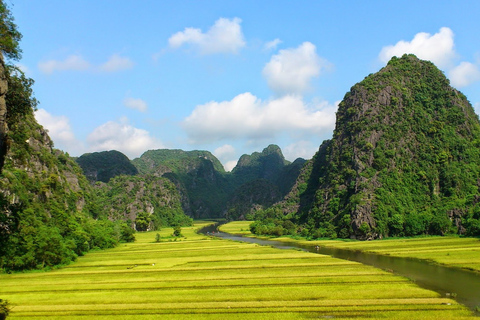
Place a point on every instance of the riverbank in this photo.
(201, 277)
(450, 251)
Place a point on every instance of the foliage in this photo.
(10, 36)
(102, 166)
(142, 221)
(207, 190)
(177, 231)
(19, 98)
(48, 212)
(404, 160)
(4, 309)
(133, 197)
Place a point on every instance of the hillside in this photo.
(102, 166)
(49, 212)
(198, 175)
(260, 179)
(145, 202)
(404, 160)
(207, 191)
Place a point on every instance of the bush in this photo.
(4, 309)
(177, 231)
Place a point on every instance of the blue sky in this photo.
(230, 77)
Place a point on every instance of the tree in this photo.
(4, 309)
(9, 35)
(177, 231)
(142, 221)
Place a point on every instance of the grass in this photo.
(452, 251)
(200, 277)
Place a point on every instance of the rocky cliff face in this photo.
(146, 202)
(404, 159)
(261, 179)
(206, 190)
(198, 175)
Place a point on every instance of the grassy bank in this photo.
(450, 250)
(198, 277)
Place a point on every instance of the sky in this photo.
(230, 77)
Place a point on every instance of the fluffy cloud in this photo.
(136, 104)
(291, 70)
(78, 63)
(246, 116)
(300, 149)
(73, 62)
(272, 45)
(464, 74)
(225, 153)
(225, 36)
(438, 48)
(59, 131)
(116, 63)
(123, 137)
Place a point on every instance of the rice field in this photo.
(450, 250)
(200, 277)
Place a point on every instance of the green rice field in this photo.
(450, 250)
(200, 277)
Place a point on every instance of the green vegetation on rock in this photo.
(145, 202)
(48, 211)
(404, 160)
(102, 166)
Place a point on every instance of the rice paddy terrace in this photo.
(200, 277)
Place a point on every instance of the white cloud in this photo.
(229, 165)
(300, 149)
(438, 48)
(464, 74)
(225, 36)
(78, 63)
(476, 106)
(123, 137)
(225, 154)
(59, 131)
(246, 116)
(224, 151)
(136, 104)
(116, 63)
(272, 45)
(291, 70)
(73, 62)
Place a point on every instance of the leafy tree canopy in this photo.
(9, 35)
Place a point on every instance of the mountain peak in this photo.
(404, 158)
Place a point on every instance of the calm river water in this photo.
(461, 285)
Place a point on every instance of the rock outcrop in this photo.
(404, 160)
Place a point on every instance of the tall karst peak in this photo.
(403, 160)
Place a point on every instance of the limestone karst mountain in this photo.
(404, 160)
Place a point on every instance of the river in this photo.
(458, 284)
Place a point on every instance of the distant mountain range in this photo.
(205, 189)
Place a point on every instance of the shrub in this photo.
(4, 309)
